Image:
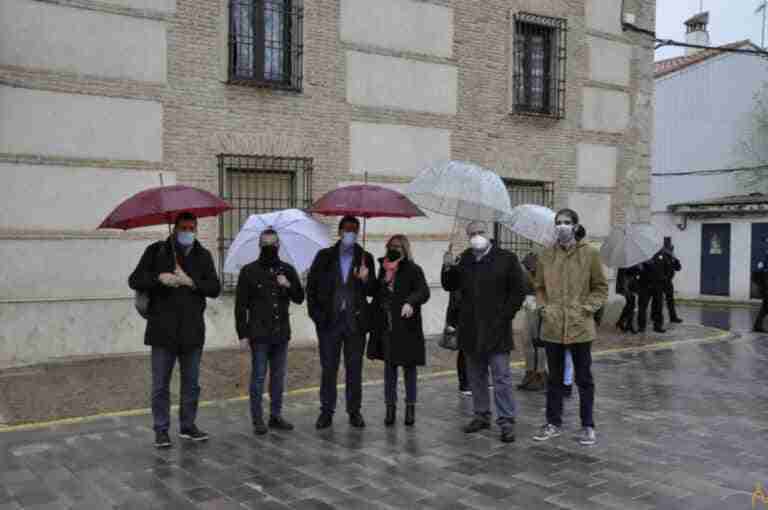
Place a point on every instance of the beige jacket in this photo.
(571, 285)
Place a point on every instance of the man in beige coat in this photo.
(570, 287)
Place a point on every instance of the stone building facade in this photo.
(99, 98)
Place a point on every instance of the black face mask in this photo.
(393, 255)
(269, 254)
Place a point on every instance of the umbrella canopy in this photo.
(462, 190)
(301, 237)
(631, 244)
(366, 201)
(534, 222)
(161, 206)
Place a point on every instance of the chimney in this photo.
(696, 32)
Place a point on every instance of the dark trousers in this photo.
(163, 361)
(275, 358)
(461, 370)
(669, 298)
(627, 317)
(653, 296)
(390, 384)
(762, 313)
(582, 367)
(331, 343)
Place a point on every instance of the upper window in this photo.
(539, 65)
(265, 43)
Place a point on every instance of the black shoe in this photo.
(162, 440)
(193, 434)
(278, 423)
(324, 421)
(410, 415)
(508, 434)
(568, 390)
(390, 418)
(476, 425)
(676, 320)
(259, 428)
(659, 329)
(356, 420)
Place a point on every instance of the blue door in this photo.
(716, 259)
(759, 249)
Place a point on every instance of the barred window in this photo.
(256, 185)
(539, 65)
(523, 192)
(265, 43)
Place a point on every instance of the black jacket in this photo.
(628, 280)
(655, 273)
(176, 314)
(402, 339)
(492, 291)
(261, 305)
(323, 278)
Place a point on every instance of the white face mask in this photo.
(564, 234)
(479, 243)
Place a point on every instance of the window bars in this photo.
(255, 185)
(523, 192)
(539, 63)
(266, 43)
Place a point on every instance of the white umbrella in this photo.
(533, 222)
(301, 237)
(462, 190)
(631, 244)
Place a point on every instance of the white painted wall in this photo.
(49, 36)
(605, 110)
(389, 82)
(594, 212)
(604, 16)
(596, 165)
(609, 61)
(402, 25)
(166, 6)
(396, 150)
(79, 126)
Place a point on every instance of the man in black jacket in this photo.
(265, 289)
(760, 278)
(671, 266)
(653, 275)
(179, 275)
(492, 286)
(338, 287)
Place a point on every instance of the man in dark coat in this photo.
(265, 289)
(760, 278)
(653, 277)
(179, 275)
(672, 266)
(338, 286)
(492, 286)
(627, 285)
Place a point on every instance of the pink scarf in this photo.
(390, 269)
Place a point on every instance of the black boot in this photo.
(390, 418)
(410, 414)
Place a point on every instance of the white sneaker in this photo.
(547, 431)
(588, 436)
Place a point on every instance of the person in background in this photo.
(401, 292)
(492, 286)
(672, 266)
(452, 324)
(627, 285)
(535, 378)
(338, 287)
(179, 275)
(265, 289)
(653, 276)
(760, 278)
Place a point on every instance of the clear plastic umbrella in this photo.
(533, 222)
(630, 244)
(301, 237)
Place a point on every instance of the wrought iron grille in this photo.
(255, 185)
(540, 54)
(523, 192)
(266, 43)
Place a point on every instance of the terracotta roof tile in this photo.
(671, 65)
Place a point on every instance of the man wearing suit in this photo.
(338, 286)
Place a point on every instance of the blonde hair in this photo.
(407, 253)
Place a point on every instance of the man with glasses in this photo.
(492, 286)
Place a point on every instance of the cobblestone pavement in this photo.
(678, 428)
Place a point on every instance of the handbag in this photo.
(141, 301)
(450, 338)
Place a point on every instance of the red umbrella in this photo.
(160, 206)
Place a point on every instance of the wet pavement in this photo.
(678, 428)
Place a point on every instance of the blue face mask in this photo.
(348, 239)
(185, 238)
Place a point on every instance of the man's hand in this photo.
(283, 281)
(169, 280)
(362, 272)
(245, 343)
(183, 278)
(407, 312)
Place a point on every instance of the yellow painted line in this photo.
(313, 389)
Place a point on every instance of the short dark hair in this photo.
(349, 219)
(570, 212)
(185, 216)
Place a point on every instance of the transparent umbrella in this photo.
(533, 222)
(630, 244)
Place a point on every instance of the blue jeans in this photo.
(568, 370)
(163, 361)
(477, 365)
(390, 384)
(276, 356)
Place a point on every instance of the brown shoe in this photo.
(526, 380)
(538, 382)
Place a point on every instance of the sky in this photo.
(729, 21)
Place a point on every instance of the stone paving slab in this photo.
(681, 427)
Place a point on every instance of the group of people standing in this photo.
(359, 311)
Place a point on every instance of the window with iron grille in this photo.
(265, 43)
(523, 192)
(255, 185)
(538, 75)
